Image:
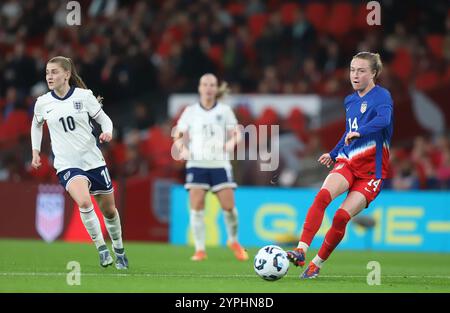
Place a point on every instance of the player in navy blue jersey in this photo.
(361, 160)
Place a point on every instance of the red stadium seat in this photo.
(331, 133)
(236, 8)
(296, 122)
(296, 119)
(157, 150)
(119, 153)
(435, 43)
(45, 173)
(256, 23)
(341, 19)
(165, 44)
(447, 75)
(317, 15)
(360, 19)
(427, 80)
(402, 64)
(17, 124)
(268, 117)
(243, 115)
(288, 12)
(215, 54)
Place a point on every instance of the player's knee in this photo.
(109, 211)
(109, 214)
(197, 204)
(84, 203)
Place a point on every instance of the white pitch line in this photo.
(202, 276)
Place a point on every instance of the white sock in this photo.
(231, 224)
(114, 230)
(92, 225)
(303, 246)
(198, 229)
(318, 261)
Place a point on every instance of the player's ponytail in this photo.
(75, 79)
(223, 90)
(374, 59)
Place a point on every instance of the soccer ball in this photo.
(271, 263)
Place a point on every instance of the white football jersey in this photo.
(207, 132)
(73, 143)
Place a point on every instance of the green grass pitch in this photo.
(35, 266)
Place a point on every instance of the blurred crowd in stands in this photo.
(136, 53)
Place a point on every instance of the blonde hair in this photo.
(223, 90)
(75, 79)
(374, 59)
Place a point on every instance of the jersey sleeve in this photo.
(183, 121)
(335, 151)
(380, 121)
(92, 105)
(38, 114)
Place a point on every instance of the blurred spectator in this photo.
(420, 155)
(404, 174)
(141, 117)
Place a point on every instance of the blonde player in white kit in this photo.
(79, 163)
(201, 138)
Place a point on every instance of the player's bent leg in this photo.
(79, 191)
(197, 222)
(226, 199)
(112, 222)
(354, 203)
(334, 185)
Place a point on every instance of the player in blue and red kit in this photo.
(361, 161)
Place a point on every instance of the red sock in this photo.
(315, 216)
(334, 234)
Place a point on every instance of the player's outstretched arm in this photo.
(107, 127)
(36, 139)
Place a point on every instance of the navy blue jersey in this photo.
(372, 117)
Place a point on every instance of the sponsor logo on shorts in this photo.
(189, 177)
(339, 166)
(66, 175)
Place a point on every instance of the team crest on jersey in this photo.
(363, 107)
(50, 211)
(78, 105)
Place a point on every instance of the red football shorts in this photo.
(370, 188)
